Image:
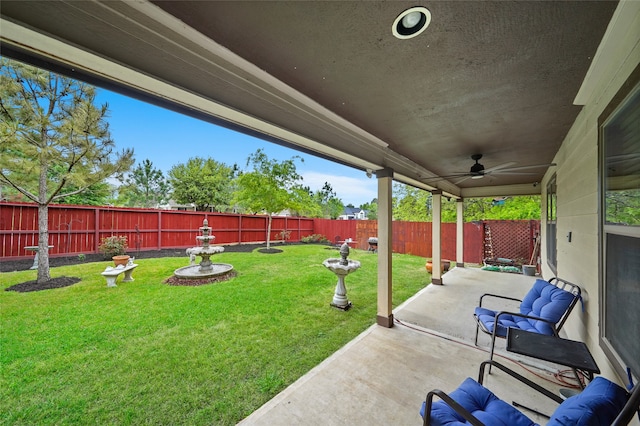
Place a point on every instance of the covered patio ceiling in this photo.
(486, 77)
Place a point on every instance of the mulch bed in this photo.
(269, 250)
(59, 282)
(202, 281)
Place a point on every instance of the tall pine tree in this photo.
(54, 141)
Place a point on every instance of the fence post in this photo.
(484, 239)
(96, 226)
(159, 229)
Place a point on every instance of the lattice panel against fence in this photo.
(510, 239)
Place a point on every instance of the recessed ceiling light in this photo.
(411, 22)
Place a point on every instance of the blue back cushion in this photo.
(480, 402)
(546, 301)
(599, 404)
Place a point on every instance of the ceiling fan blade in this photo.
(506, 172)
(436, 178)
(536, 166)
(462, 180)
(501, 166)
(501, 169)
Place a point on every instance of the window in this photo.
(552, 252)
(620, 226)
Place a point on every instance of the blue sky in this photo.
(168, 138)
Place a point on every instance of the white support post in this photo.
(460, 233)
(436, 233)
(385, 180)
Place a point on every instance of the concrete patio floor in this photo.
(383, 375)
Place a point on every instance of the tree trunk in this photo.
(43, 243)
(269, 233)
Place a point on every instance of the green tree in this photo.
(330, 205)
(412, 204)
(504, 208)
(96, 194)
(145, 186)
(623, 206)
(371, 208)
(205, 183)
(55, 141)
(306, 203)
(270, 187)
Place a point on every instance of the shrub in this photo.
(284, 235)
(315, 238)
(113, 246)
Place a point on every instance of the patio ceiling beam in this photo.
(350, 145)
(626, 15)
(82, 64)
(499, 191)
(451, 190)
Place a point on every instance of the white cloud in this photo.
(352, 190)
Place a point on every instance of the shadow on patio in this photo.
(382, 376)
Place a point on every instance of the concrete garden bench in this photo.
(35, 259)
(111, 273)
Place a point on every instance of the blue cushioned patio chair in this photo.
(602, 402)
(543, 310)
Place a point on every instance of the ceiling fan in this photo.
(477, 170)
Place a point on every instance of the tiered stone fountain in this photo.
(341, 267)
(205, 269)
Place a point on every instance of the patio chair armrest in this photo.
(631, 408)
(518, 377)
(519, 315)
(497, 296)
(451, 403)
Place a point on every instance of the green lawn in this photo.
(146, 352)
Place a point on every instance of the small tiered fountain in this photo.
(341, 267)
(205, 269)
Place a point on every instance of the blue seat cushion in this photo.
(598, 404)
(480, 402)
(544, 300)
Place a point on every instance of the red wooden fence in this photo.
(79, 229)
(416, 238)
(341, 229)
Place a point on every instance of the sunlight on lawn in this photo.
(147, 352)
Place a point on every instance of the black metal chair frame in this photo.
(630, 409)
(558, 282)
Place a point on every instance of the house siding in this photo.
(577, 189)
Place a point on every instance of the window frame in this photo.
(619, 101)
(551, 224)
